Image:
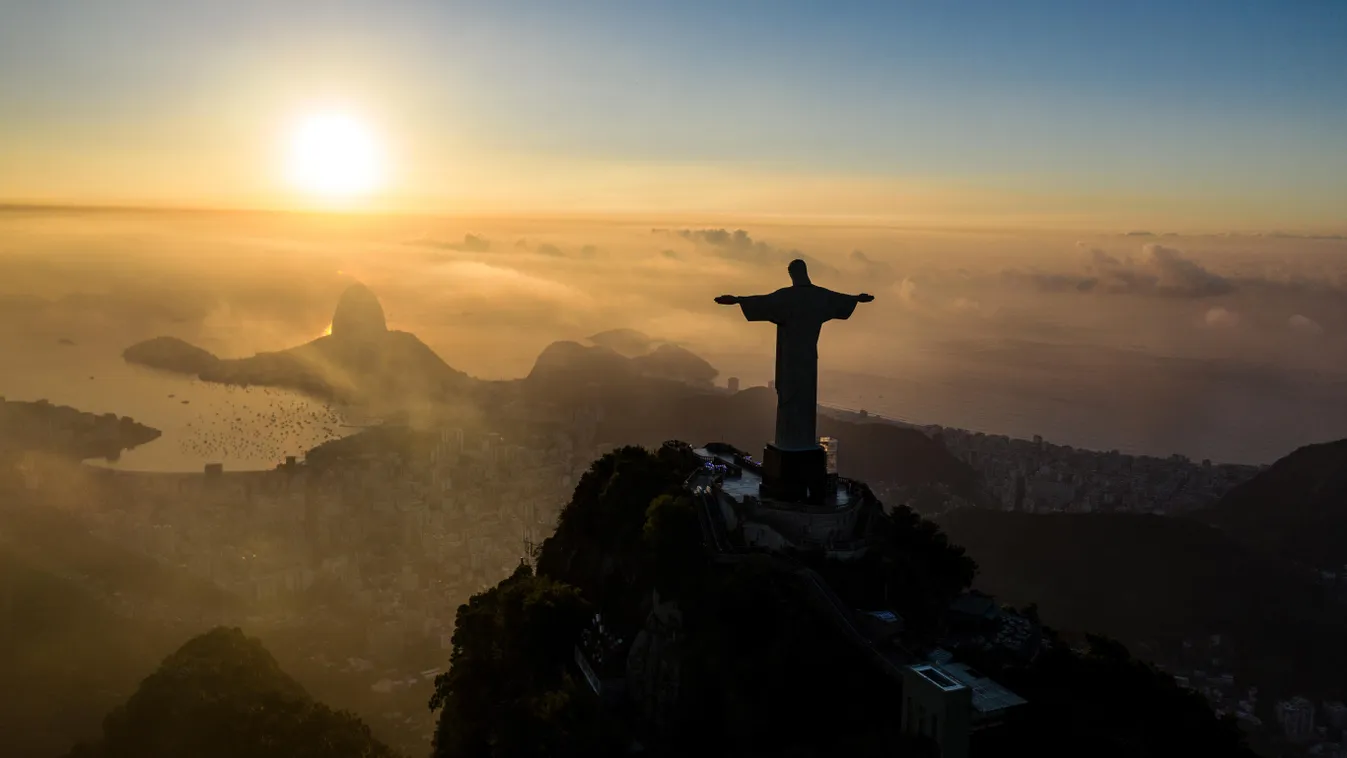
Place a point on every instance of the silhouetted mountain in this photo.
(698, 689)
(359, 316)
(222, 695)
(81, 619)
(678, 363)
(1296, 508)
(360, 361)
(170, 354)
(1158, 580)
(67, 656)
(724, 655)
(571, 365)
(66, 432)
(567, 363)
(645, 400)
(628, 342)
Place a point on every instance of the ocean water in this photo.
(1138, 404)
(244, 429)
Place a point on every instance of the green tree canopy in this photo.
(599, 544)
(511, 690)
(674, 539)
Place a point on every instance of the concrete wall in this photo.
(765, 537)
(809, 527)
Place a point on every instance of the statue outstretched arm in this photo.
(728, 300)
(864, 298)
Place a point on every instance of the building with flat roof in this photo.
(947, 701)
(938, 706)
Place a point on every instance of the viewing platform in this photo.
(836, 525)
(743, 478)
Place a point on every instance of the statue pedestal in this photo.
(794, 476)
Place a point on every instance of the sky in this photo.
(1197, 116)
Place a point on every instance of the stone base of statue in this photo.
(794, 476)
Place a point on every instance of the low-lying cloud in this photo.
(1221, 318)
(877, 271)
(738, 245)
(489, 295)
(471, 243)
(1157, 271)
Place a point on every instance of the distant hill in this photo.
(657, 394)
(1143, 578)
(1296, 508)
(627, 342)
(67, 658)
(222, 695)
(66, 432)
(568, 363)
(81, 621)
(361, 360)
(171, 354)
(674, 362)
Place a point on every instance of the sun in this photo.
(333, 155)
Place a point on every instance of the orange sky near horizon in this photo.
(603, 111)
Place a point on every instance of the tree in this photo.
(673, 537)
(599, 545)
(511, 690)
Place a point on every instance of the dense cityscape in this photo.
(1038, 476)
(376, 540)
(373, 542)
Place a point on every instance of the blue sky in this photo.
(1238, 100)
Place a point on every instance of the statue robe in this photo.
(799, 312)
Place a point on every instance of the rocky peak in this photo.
(359, 314)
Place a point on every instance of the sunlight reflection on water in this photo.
(244, 429)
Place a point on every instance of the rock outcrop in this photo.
(359, 315)
(361, 361)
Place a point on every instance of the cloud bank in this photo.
(1158, 271)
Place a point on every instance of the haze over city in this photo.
(430, 269)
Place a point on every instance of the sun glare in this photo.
(334, 156)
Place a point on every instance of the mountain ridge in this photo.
(1296, 508)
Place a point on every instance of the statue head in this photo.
(799, 272)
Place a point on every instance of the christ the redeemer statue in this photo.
(799, 312)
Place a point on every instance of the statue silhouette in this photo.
(799, 312)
